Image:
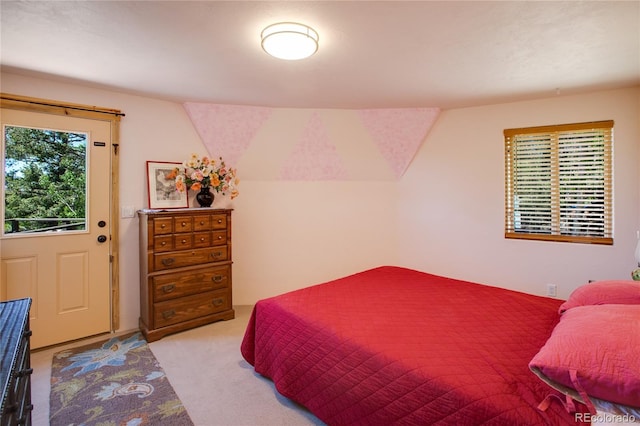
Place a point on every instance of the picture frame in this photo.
(162, 192)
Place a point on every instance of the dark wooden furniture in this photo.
(15, 363)
(185, 269)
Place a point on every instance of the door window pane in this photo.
(44, 180)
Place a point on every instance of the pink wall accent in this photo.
(316, 144)
(227, 130)
(314, 156)
(398, 133)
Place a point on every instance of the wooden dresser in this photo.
(185, 269)
(15, 363)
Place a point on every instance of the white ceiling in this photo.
(384, 54)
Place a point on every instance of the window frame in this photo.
(557, 136)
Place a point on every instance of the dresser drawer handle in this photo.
(23, 420)
(201, 238)
(217, 278)
(168, 261)
(164, 243)
(202, 222)
(219, 237)
(163, 226)
(168, 288)
(184, 224)
(216, 254)
(169, 314)
(218, 302)
(184, 241)
(26, 372)
(219, 220)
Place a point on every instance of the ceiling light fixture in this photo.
(289, 40)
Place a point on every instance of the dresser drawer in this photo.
(182, 241)
(190, 307)
(163, 243)
(219, 238)
(171, 286)
(177, 259)
(182, 224)
(219, 221)
(162, 225)
(202, 223)
(202, 239)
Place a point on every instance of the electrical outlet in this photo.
(552, 290)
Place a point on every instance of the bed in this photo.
(393, 345)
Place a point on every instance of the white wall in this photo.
(451, 200)
(288, 235)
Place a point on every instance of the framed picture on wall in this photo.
(162, 190)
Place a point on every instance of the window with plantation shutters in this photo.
(558, 183)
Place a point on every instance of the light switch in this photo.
(127, 211)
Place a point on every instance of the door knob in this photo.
(102, 238)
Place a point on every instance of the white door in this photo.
(59, 254)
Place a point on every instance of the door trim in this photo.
(47, 106)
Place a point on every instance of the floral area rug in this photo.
(117, 382)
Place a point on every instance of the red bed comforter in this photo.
(397, 346)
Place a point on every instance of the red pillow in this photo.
(600, 346)
(603, 293)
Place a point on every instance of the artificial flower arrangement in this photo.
(197, 173)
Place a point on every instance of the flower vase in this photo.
(204, 197)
